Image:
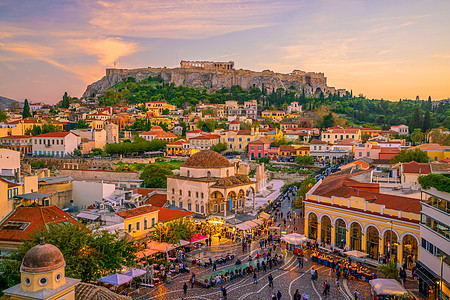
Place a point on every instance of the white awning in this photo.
(88, 216)
(264, 215)
(251, 224)
(242, 226)
(259, 222)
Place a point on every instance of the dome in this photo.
(207, 159)
(42, 258)
(156, 127)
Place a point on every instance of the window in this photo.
(259, 148)
(253, 147)
(196, 194)
(189, 206)
(10, 193)
(130, 227)
(53, 142)
(180, 204)
(145, 224)
(215, 208)
(189, 193)
(181, 193)
(360, 154)
(173, 191)
(368, 154)
(153, 222)
(138, 226)
(201, 195)
(202, 209)
(221, 207)
(240, 139)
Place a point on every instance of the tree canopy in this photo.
(219, 147)
(304, 160)
(406, 155)
(88, 254)
(174, 231)
(154, 176)
(441, 182)
(139, 146)
(26, 113)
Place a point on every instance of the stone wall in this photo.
(217, 77)
(85, 163)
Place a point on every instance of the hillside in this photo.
(310, 83)
(6, 102)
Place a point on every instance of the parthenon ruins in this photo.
(212, 65)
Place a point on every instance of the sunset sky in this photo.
(382, 49)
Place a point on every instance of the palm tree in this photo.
(389, 270)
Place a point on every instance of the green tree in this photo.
(98, 152)
(426, 121)
(415, 121)
(154, 176)
(438, 181)
(220, 147)
(65, 103)
(125, 167)
(166, 111)
(417, 136)
(26, 110)
(77, 152)
(261, 160)
(304, 160)
(174, 231)
(88, 254)
(389, 270)
(3, 116)
(327, 121)
(365, 137)
(406, 155)
(82, 124)
(47, 127)
(38, 164)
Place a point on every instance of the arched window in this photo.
(372, 242)
(410, 251)
(228, 173)
(208, 174)
(188, 173)
(326, 230)
(355, 237)
(181, 192)
(312, 226)
(341, 232)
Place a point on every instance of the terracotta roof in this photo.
(16, 137)
(42, 258)
(244, 132)
(177, 143)
(286, 148)
(391, 150)
(430, 147)
(36, 217)
(416, 168)
(157, 200)
(316, 141)
(234, 122)
(142, 191)
(345, 187)
(167, 214)
(138, 211)
(196, 131)
(206, 137)
(55, 134)
(207, 159)
(85, 290)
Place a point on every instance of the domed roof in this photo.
(156, 127)
(207, 159)
(42, 258)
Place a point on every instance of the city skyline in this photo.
(382, 50)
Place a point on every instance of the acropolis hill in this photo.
(216, 75)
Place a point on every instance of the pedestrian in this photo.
(316, 275)
(214, 266)
(192, 281)
(297, 295)
(356, 294)
(338, 285)
(328, 287)
(270, 280)
(224, 293)
(185, 288)
(324, 288)
(219, 238)
(255, 278)
(278, 295)
(274, 297)
(312, 274)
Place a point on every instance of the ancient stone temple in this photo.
(212, 65)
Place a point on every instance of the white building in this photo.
(98, 136)
(294, 107)
(56, 144)
(435, 245)
(87, 193)
(400, 129)
(10, 162)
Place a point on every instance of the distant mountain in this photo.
(6, 102)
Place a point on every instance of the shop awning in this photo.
(251, 224)
(117, 279)
(356, 253)
(242, 226)
(160, 247)
(264, 215)
(183, 243)
(295, 238)
(198, 237)
(389, 287)
(146, 252)
(135, 272)
(259, 222)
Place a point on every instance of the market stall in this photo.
(294, 241)
(382, 289)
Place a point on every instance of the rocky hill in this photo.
(202, 76)
(6, 102)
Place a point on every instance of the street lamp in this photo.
(440, 276)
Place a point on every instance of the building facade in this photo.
(21, 143)
(56, 144)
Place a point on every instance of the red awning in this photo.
(198, 237)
